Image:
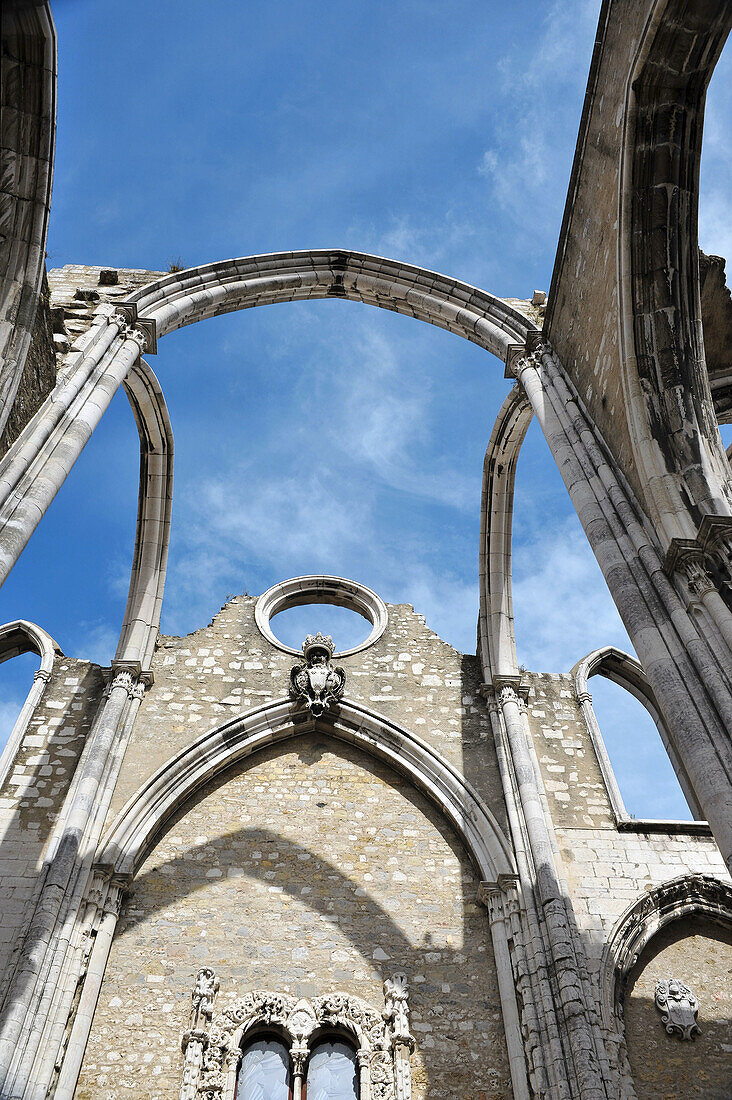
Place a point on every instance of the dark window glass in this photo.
(332, 1073)
(264, 1072)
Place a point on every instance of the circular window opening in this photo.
(347, 628)
(353, 615)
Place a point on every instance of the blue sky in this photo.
(327, 436)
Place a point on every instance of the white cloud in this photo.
(562, 607)
(528, 178)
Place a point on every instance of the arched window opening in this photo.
(644, 772)
(332, 1072)
(22, 682)
(265, 1072)
(16, 680)
(560, 598)
(347, 628)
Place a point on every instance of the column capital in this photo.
(510, 687)
(528, 354)
(141, 329)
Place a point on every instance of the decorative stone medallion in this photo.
(679, 1008)
(317, 684)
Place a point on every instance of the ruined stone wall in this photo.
(607, 870)
(309, 868)
(410, 675)
(39, 373)
(33, 793)
(699, 953)
(584, 284)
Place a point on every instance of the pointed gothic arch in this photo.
(19, 637)
(627, 672)
(140, 821)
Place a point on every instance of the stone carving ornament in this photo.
(213, 1047)
(317, 684)
(679, 1007)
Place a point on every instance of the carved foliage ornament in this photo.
(317, 684)
(679, 1008)
(213, 1045)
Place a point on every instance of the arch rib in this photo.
(497, 639)
(147, 581)
(35, 467)
(140, 821)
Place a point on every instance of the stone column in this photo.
(116, 888)
(688, 671)
(491, 895)
(364, 1074)
(299, 1056)
(586, 1058)
(35, 982)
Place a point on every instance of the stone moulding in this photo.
(337, 591)
(623, 669)
(18, 637)
(139, 822)
(213, 1044)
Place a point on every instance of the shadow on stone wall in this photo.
(454, 992)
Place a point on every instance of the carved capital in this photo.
(141, 329)
(511, 689)
(519, 357)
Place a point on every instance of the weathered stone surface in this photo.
(307, 870)
(39, 373)
(699, 953)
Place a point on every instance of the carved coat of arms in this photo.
(679, 1007)
(317, 684)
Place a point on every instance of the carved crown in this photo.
(318, 643)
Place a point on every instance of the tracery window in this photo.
(332, 1072)
(271, 1046)
(265, 1071)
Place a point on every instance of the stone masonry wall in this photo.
(606, 869)
(33, 793)
(664, 1067)
(308, 869)
(410, 675)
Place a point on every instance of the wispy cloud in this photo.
(527, 178)
(562, 607)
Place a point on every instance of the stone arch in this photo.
(19, 637)
(139, 822)
(497, 639)
(693, 895)
(627, 672)
(152, 536)
(34, 469)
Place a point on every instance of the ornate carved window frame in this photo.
(214, 1043)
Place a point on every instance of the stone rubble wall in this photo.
(410, 675)
(34, 791)
(606, 869)
(307, 869)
